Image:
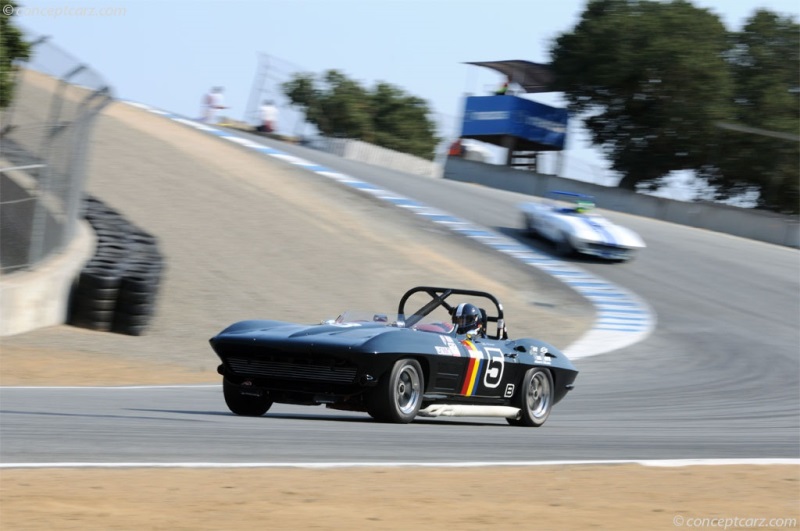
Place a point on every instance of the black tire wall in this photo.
(117, 290)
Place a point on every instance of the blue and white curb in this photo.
(623, 319)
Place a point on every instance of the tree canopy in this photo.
(655, 80)
(384, 115)
(12, 48)
(765, 64)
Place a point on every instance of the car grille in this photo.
(607, 247)
(609, 251)
(291, 371)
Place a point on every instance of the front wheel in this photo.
(564, 246)
(535, 398)
(245, 400)
(530, 229)
(398, 395)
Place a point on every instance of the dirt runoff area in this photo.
(374, 498)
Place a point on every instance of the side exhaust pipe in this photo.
(459, 410)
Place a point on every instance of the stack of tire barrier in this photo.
(117, 289)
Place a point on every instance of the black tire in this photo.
(137, 279)
(535, 398)
(564, 247)
(128, 329)
(93, 315)
(530, 230)
(398, 395)
(125, 319)
(140, 263)
(100, 294)
(247, 401)
(109, 236)
(134, 298)
(142, 308)
(84, 303)
(104, 262)
(139, 283)
(99, 321)
(102, 278)
(144, 239)
(118, 248)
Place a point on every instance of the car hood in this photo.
(598, 229)
(367, 336)
(278, 329)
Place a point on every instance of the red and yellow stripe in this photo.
(474, 369)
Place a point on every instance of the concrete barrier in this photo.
(744, 222)
(39, 298)
(379, 156)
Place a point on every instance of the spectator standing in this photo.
(456, 149)
(268, 117)
(509, 88)
(503, 90)
(213, 102)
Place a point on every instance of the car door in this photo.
(483, 368)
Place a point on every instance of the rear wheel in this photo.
(245, 400)
(535, 398)
(398, 395)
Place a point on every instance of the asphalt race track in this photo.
(719, 377)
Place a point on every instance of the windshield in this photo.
(430, 308)
(436, 321)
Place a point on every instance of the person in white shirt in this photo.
(268, 117)
(213, 102)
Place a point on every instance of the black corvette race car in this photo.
(439, 360)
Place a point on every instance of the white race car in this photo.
(576, 229)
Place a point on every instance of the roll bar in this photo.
(439, 298)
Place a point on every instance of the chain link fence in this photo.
(44, 136)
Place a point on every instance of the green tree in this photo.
(653, 81)
(658, 81)
(385, 115)
(12, 48)
(401, 122)
(763, 154)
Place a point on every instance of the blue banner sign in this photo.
(542, 126)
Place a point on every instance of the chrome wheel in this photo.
(398, 395)
(539, 395)
(408, 390)
(535, 398)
